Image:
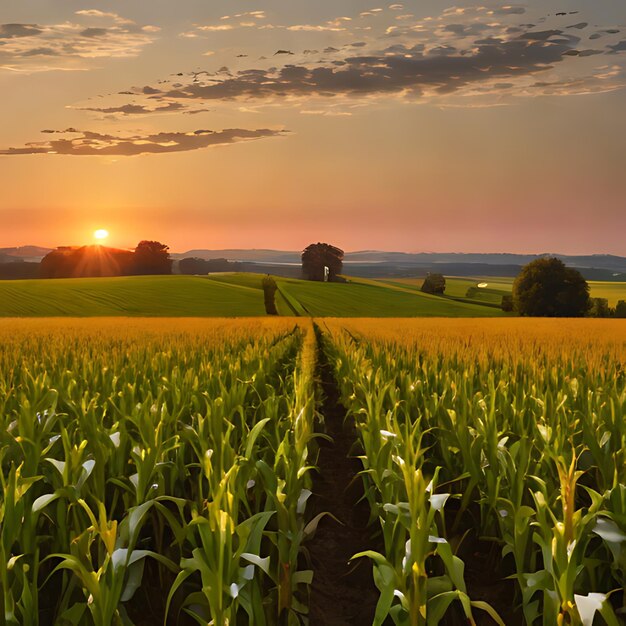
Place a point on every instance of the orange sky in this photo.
(481, 128)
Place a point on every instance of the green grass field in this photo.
(130, 296)
(254, 281)
(369, 298)
(457, 287)
(241, 294)
(218, 295)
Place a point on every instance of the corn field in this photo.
(509, 434)
(155, 473)
(161, 471)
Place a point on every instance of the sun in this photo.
(101, 234)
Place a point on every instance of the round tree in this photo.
(547, 288)
(317, 257)
(152, 257)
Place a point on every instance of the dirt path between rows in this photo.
(343, 592)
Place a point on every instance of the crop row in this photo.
(155, 474)
(494, 439)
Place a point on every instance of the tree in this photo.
(86, 261)
(434, 283)
(196, 265)
(269, 295)
(152, 257)
(620, 309)
(599, 307)
(317, 256)
(547, 288)
(192, 265)
(507, 303)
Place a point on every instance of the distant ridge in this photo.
(406, 260)
(597, 261)
(24, 253)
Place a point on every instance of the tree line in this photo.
(545, 287)
(148, 257)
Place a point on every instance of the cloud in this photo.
(257, 19)
(12, 31)
(71, 45)
(618, 47)
(463, 51)
(88, 143)
(149, 106)
(510, 10)
(468, 52)
(398, 69)
(136, 109)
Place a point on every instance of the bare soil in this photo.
(343, 592)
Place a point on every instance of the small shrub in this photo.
(507, 303)
(599, 308)
(434, 284)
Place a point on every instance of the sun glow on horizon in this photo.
(101, 234)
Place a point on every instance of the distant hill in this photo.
(235, 254)
(373, 263)
(425, 260)
(23, 253)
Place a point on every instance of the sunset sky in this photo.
(415, 126)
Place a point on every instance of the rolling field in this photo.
(228, 295)
(178, 455)
(369, 298)
(457, 287)
(160, 296)
(241, 295)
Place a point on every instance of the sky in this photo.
(410, 126)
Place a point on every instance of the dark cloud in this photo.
(90, 143)
(618, 47)
(136, 109)
(466, 30)
(41, 52)
(393, 70)
(94, 32)
(11, 31)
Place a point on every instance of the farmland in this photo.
(220, 295)
(491, 451)
(149, 456)
(466, 288)
(241, 295)
(191, 456)
(127, 296)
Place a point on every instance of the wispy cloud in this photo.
(88, 143)
(93, 34)
(259, 20)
